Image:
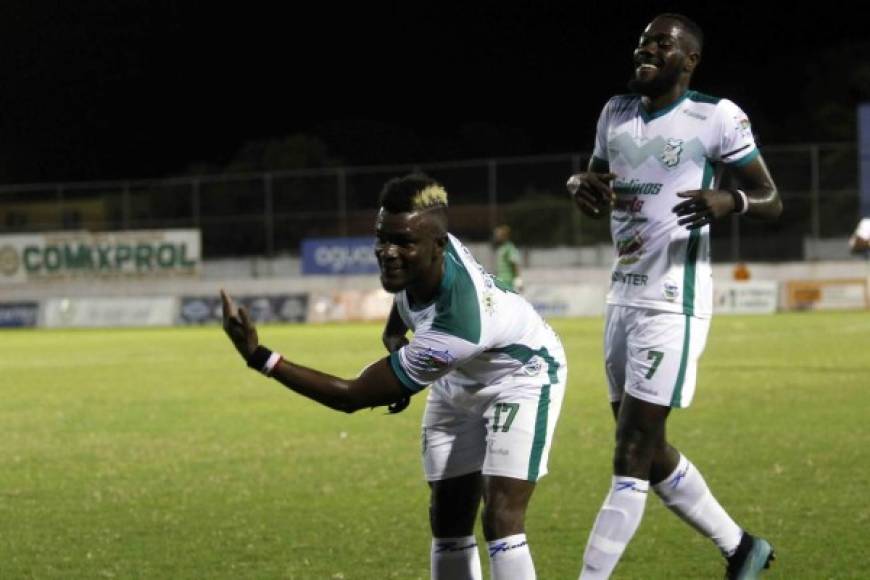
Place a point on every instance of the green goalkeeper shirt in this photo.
(507, 260)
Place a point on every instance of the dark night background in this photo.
(106, 89)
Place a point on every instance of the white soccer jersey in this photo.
(475, 329)
(659, 264)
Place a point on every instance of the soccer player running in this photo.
(496, 373)
(653, 168)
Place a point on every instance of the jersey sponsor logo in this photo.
(671, 152)
(629, 279)
(695, 114)
(635, 187)
(435, 360)
(633, 205)
(497, 451)
(629, 249)
(744, 127)
(670, 289)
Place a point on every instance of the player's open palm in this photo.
(239, 327)
(702, 206)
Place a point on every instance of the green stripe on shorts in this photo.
(540, 438)
(676, 399)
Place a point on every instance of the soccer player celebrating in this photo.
(653, 169)
(496, 373)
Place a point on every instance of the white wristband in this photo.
(271, 363)
(745, 200)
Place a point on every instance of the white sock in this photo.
(510, 559)
(615, 525)
(686, 493)
(455, 558)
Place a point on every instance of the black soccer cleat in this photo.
(751, 557)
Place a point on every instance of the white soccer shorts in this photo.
(505, 429)
(653, 355)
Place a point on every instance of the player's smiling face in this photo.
(409, 251)
(661, 58)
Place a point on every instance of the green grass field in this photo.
(156, 454)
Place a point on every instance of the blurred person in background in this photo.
(507, 258)
(859, 241)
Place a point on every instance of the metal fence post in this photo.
(125, 206)
(576, 223)
(814, 193)
(194, 202)
(735, 238)
(492, 184)
(268, 215)
(341, 179)
(59, 192)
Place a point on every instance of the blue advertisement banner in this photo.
(864, 157)
(18, 314)
(338, 256)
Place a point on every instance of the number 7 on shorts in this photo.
(656, 356)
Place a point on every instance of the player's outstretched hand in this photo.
(702, 206)
(239, 327)
(591, 192)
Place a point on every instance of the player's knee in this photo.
(634, 453)
(451, 523)
(501, 522)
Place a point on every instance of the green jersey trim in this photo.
(697, 97)
(458, 310)
(692, 248)
(647, 116)
(689, 273)
(524, 354)
(407, 382)
(746, 159)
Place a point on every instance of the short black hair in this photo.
(413, 192)
(688, 24)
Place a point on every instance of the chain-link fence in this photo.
(270, 213)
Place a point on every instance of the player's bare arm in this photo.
(394, 331)
(376, 385)
(591, 190)
(758, 197)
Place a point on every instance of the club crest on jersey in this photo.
(671, 152)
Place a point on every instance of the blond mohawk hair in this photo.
(414, 192)
(431, 196)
